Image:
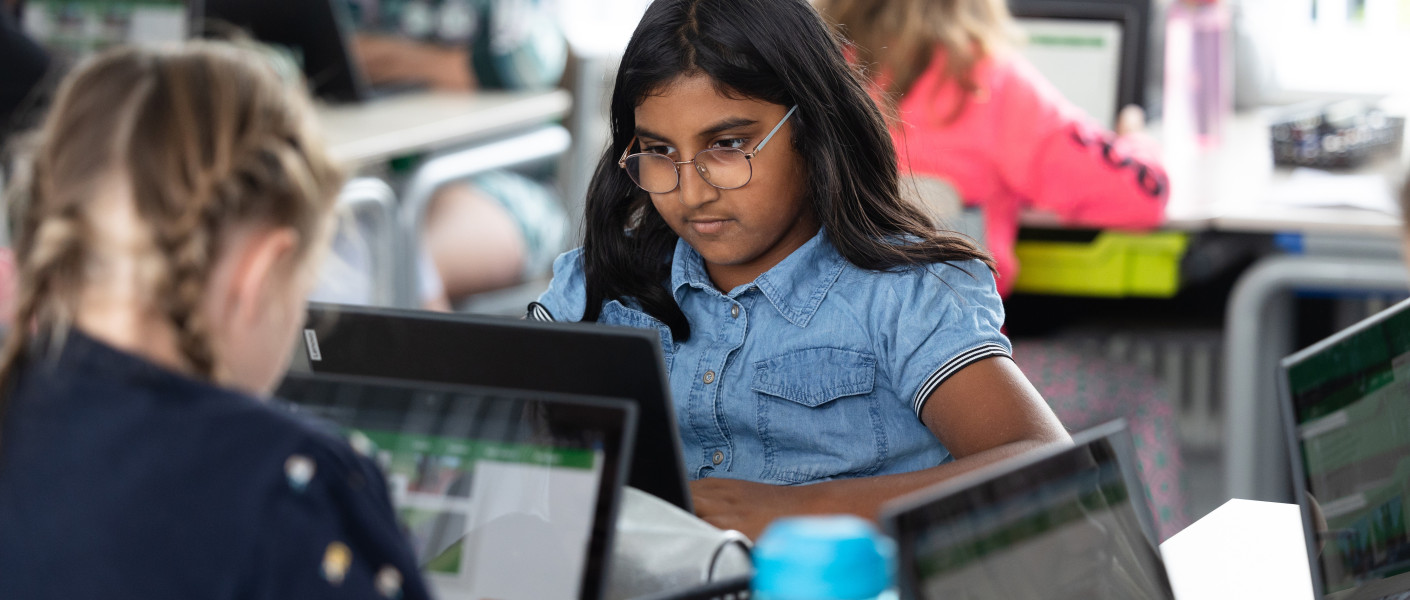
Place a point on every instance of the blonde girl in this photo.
(168, 228)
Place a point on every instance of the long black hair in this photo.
(777, 51)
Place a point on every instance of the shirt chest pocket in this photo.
(817, 416)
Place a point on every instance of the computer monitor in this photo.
(1059, 523)
(71, 30)
(314, 32)
(1346, 415)
(574, 358)
(1093, 52)
(507, 494)
(450, 23)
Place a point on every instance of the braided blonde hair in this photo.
(208, 136)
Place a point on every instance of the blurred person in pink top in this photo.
(974, 113)
(969, 110)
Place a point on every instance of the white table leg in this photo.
(1256, 336)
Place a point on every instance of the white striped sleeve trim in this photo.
(952, 366)
(538, 313)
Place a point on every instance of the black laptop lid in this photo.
(314, 31)
(1067, 522)
(506, 494)
(573, 358)
(1346, 413)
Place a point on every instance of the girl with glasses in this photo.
(828, 348)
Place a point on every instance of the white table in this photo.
(1344, 250)
(387, 128)
(369, 133)
(1236, 188)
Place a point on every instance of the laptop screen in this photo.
(1064, 523)
(1350, 432)
(311, 32)
(1081, 58)
(505, 494)
(568, 358)
(72, 30)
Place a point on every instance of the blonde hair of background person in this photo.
(175, 207)
(899, 38)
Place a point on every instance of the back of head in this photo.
(900, 37)
(198, 139)
(777, 51)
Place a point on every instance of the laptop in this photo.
(1058, 523)
(1346, 416)
(506, 494)
(574, 358)
(315, 32)
(1093, 52)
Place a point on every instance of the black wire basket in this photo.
(1340, 135)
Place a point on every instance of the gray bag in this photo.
(659, 547)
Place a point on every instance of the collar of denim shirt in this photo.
(795, 286)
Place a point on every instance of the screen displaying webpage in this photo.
(498, 493)
(1076, 538)
(493, 519)
(1352, 404)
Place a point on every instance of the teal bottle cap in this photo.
(823, 558)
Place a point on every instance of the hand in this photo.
(1131, 121)
(746, 506)
(9, 286)
(387, 59)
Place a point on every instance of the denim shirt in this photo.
(817, 369)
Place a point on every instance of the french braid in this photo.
(208, 137)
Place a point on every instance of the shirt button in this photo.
(719, 457)
(734, 311)
(709, 377)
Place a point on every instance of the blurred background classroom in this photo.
(473, 126)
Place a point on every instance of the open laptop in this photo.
(1093, 52)
(1346, 415)
(314, 32)
(1058, 523)
(574, 358)
(506, 494)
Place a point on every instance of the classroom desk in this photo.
(371, 132)
(1343, 249)
(1236, 189)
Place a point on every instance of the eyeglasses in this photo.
(724, 168)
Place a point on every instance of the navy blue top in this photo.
(121, 479)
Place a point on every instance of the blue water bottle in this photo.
(824, 558)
